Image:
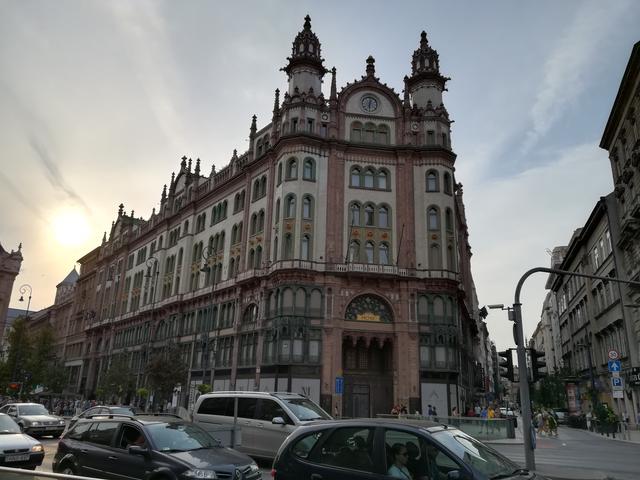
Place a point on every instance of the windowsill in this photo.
(375, 189)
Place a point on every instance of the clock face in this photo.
(369, 103)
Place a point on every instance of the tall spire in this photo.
(334, 90)
(276, 103)
(425, 84)
(371, 66)
(305, 53)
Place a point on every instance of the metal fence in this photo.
(7, 473)
(480, 428)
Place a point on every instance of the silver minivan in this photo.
(265, 419)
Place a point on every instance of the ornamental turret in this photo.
(305, 69)
(426, 84)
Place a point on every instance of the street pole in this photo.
(208, 255)
(154, 271)
(529, 433)
(23, 289)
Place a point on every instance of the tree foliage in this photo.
(118, 381)
(551, 392)
(165, 370)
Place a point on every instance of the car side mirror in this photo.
(138, 450)
(278, 421)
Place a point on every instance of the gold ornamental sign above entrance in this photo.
(369, 308)
(367, 317)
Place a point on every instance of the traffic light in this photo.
(537, 363)
(506, 365)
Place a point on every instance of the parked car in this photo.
(18, 449)
(506, 412)
(34, 419)
(265, 419)
(147, 446)
(102, 410)
(562, 415)
(369, 448)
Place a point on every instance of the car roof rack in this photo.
(158, 414)
(254, 392)
(109, 415)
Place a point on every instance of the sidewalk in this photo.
(629, 436)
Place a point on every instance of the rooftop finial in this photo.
(120, 209)
(197, 171)
(276, 102)
(371, 67)
(333, 83)
(307, 22)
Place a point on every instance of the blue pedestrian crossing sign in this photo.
(614, 365)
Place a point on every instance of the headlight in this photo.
(197, 473)
(37, 448)
(254, 467)
(61, 422)
(35, 424)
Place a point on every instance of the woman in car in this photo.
(400, 457)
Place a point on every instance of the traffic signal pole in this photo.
(529, 433)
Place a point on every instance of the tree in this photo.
(19, 352)
(165, 370)
(118, 380)
(551, 392)
(41, 359)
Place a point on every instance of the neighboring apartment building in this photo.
(333, 253)
(547, 334)
(621, 138)
(10, 263)
(591, 311)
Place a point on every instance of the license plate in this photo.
(16, 458)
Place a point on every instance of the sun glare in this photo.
(71, 227)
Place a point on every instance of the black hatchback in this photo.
(148, 446)
(384, 449)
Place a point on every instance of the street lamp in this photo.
(23, 289)
(152, 272)
(208, 255)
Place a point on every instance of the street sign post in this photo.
(617, 383)
(614, 365)
(618, 394)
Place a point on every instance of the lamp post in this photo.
(152, 272)
(23, 289)
(208, 255)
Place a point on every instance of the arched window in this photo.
(356, 132)
(259, 145)
(224, 209)
(305, 247)
(263, 186)
(382, 135)
(261, 221)
(355, 214)
(292, 169)
(369, 215)
(256, 190)
(252, 255)
(432, 181)
(448, 220)
(277, 216)
(451, 259)
(309, 169)
(279, 173)
(369, 133)
(232, 266)
(307, 207)
(254, 224)
(383, 180)
(275, 249)
(435, 258)
(433, 219)
(355, 177)
(290, 206)
(234, 235)
(447, 183)
(239, 232)
(258, 263)
(354, 251)
(288, 246)
(383, 254)
(368, 178)
(383, 217)
(369, 250)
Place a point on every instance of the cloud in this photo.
(571, 65)
(52, 172)
(18, 194)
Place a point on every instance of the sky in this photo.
(100, 100)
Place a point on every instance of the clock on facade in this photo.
(369, 103)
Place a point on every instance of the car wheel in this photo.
(68, 470)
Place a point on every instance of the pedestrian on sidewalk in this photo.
(589, 417)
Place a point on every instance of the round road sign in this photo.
(613, 355)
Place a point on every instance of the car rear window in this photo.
(103, 433)
(79, 431)
(216, 406)
(303, 447)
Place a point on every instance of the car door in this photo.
(97, 449)
(347, 454)
(127, 466)
(268, 435)
(247, 422)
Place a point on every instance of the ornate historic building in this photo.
(10, 263)
(621, 138)
(336, 247)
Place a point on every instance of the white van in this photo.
(265, 418)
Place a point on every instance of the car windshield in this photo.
(180, 437)
(32, 410)
(305, 409)
(475, 454)
(7, 425)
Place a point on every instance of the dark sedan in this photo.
(102, 410)
(383, 449)
(17, 449)
(34, 419)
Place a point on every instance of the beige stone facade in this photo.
(10, 263)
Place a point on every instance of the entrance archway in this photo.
(367, 363)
